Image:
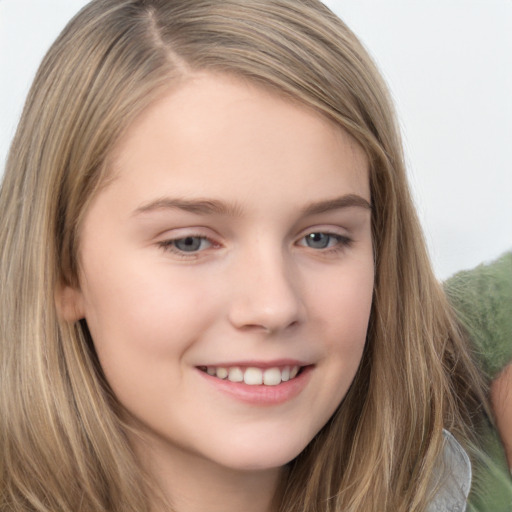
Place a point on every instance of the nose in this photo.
(266, 294)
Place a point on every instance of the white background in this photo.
(449, 67)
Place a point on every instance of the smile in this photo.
(253, 376)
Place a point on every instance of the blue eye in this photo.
(188, 244)
(324, 240)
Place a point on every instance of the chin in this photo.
(259, 457)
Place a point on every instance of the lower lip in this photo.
(261, 395)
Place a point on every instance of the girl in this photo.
(215, 292)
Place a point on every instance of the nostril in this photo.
(265, 294)
(250, 316)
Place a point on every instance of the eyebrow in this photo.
(216, 207)
(197, 206)
(338, 203)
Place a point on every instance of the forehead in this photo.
(215, 132)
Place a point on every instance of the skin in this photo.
(255, 288)
(502, 406)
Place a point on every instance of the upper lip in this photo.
(258, 364)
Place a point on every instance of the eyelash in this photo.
(342, 242)
(170, 245)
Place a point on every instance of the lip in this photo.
(261, 395)
(259, 364)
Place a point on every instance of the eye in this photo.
(188, 244)
(321, 240)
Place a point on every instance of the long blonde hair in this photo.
(63, 444)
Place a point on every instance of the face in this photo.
(226, 273)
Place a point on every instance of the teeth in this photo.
(222, 373)
(272, 377)
(236, 374)
(253, 376)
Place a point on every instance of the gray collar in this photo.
(452, 479)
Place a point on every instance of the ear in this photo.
(69, 302)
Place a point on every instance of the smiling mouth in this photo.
(254, 376)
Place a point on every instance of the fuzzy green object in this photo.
(482, 298)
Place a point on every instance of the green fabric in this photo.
(482, 298)
(491, 489)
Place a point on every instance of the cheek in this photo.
(345, 305)
(142, 313)
(345, 312)
(142, 328)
